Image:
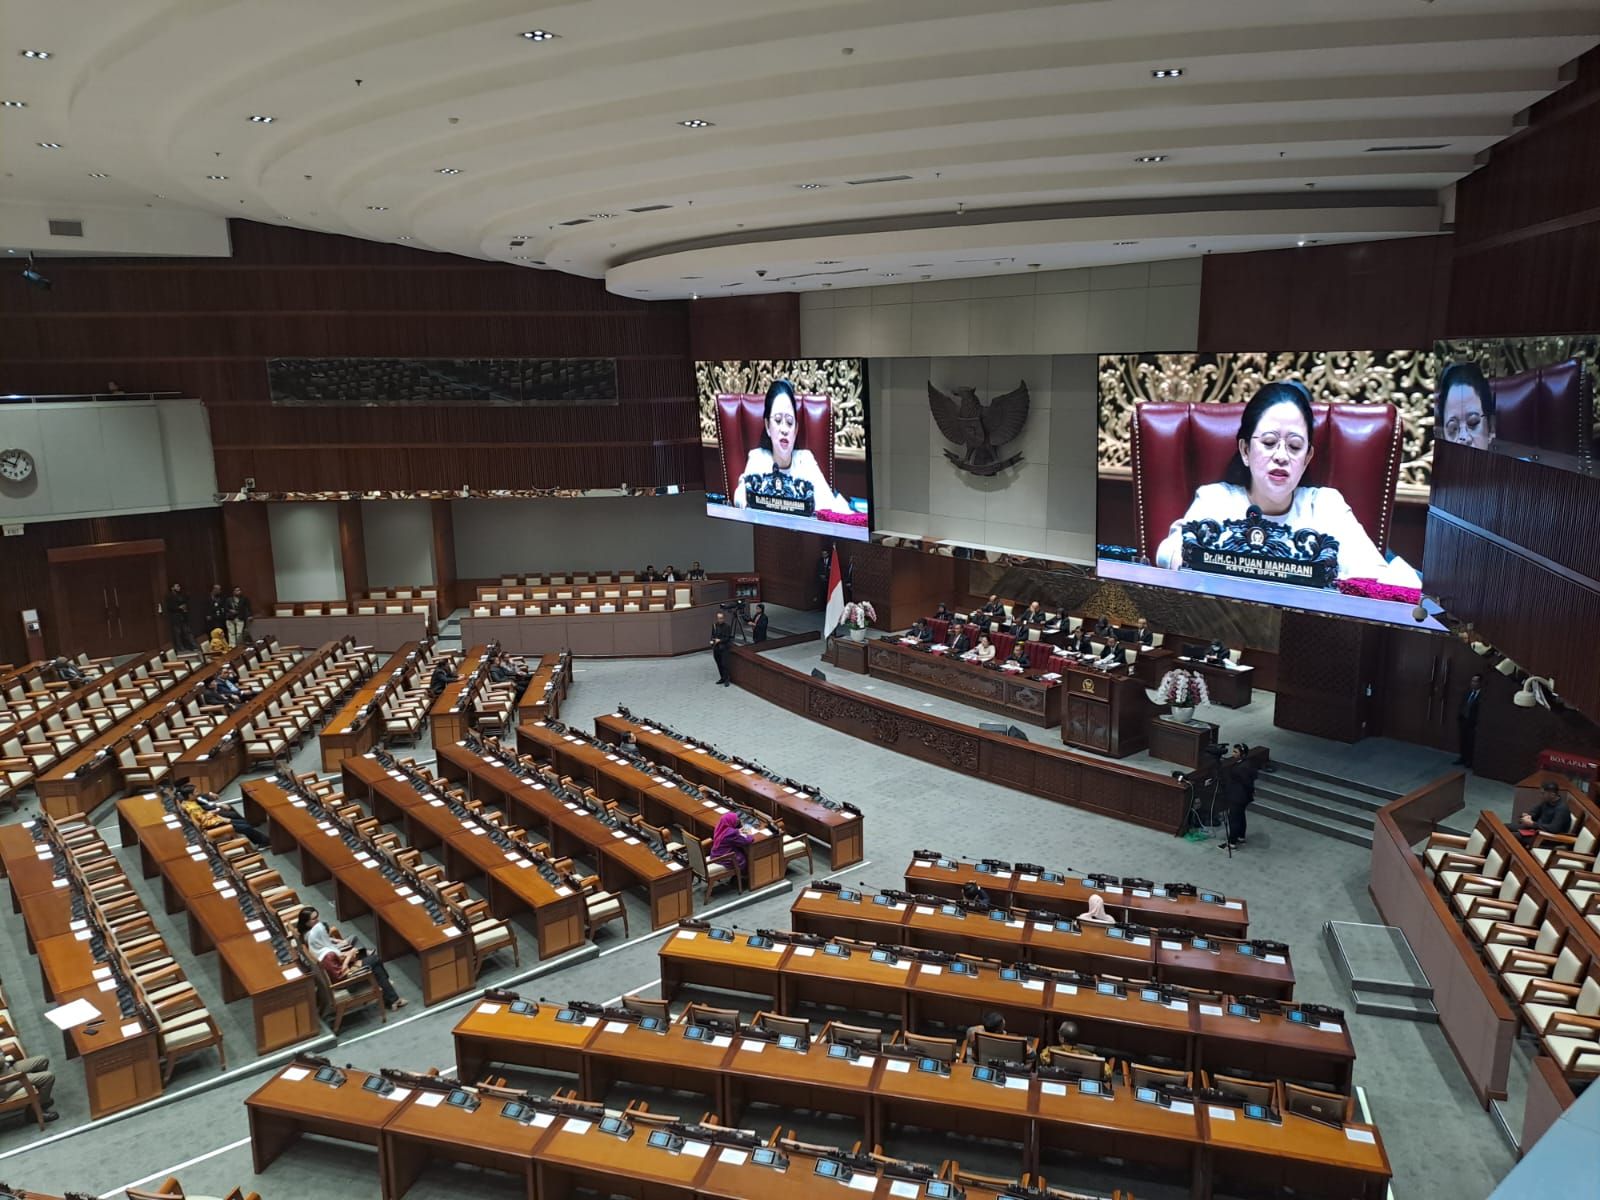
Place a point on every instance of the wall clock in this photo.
(15, 465)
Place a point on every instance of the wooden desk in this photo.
(1182, 742)
(840, 829)
(450, 714)
(1120, 1126)
(119, 1055)
(621, 862)
(1012, 694)
(425, 1129)
(471, 851)
(384, 632)
(597, 634)
(1069, 896)
(547, 688)
(1104, 712)
(656, 798)
(351, 730)
(1230, 687)
(847, 654)
(292, 1103)
(1306, 1155)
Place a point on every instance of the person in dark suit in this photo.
(649, 574)
(443, 676)
(1467, 721)
(216, 609)
(1032, 615)
(942, 613)
(1216, 652)
(1550, 815)
(758, 624)
(696, 571)
(984, 620)
(1083, 643)
(1019, 654)
(994, 608)
(1236, 788)
(1146, 637)
(921, 631)
(961, 643)
(1104, 628)
(177, 607)
(721, 643)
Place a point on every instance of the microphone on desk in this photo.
(1253, 513)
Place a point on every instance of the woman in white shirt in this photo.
(339, 958)
(985, 649)
(1274, 451)
(777, 452)
(1096, 913)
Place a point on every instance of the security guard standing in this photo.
(721, 643)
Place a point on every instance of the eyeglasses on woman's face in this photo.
(1293, 445)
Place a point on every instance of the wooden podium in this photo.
(1106, 713)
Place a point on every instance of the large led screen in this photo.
(1266, 477)
(785, 443)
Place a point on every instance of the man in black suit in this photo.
(177, 606)
(443, 676)
(1103, 628)
(1467, 721)
(961, 643)
(942, 613)
(696, 571)
(1032, 615)
(921, 631)
(758, 624)
(648, 575)
(721, 642)
(1083, 643)
(1146, 638)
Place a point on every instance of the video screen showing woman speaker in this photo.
(786, 443)
(1530, 397)
(1271, 478)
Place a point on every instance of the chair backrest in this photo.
(1476, 841)
(739, 428)
(1143, 1076)
(1550, 407)
(998, 1047)
(862, 1037)
(944, 1049)
(798, 1026)
(1253, 1090)
(1179, 446)
(1547, 941)
(1568, 966)
(1584, 843)
(1588, 1003)
(1309, 1102)
(647, 1007)
(696, 1013)
(1494, 863)
(170, 1190)
(1528, 909)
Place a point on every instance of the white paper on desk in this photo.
(1145, 892)
(1233, 904)
(83, 935)
(577, 1125)
(904, 1189)
(430, 1099)
(296, 1074)
(932, 969)
(489, 1010)
(617, 833)
(1066, 989)
(402, 891)
(818, 896)
(563, 890)
(1018, 1082)
(78, 925)
(227, 893)
(669, 784)
(1016, 924)
(753, 1046)
(1051, 1088)
(688, 935)
(1166, 945)
(435, 803)
(1220, 1114)
(398, 1095)
(132, 1029)
(1330, 1027)
(292, 973)
(924, 910)
(262, 936)
(1278, 959)
(452, 931)
(919, 862)
(1361, 1135)
(1211, 1010)
(674, 866)
(861, 1062)
(254, 925)
(1033, 985)
(722, 1041)
(1040, 925)
(1030, 879)
(1184, 1108)
(413, 899)
(746, 771)
(733, 1157)
(790, 791)
(58, 883)
(612, 758)
(863, 1183)
(1178, 1005)
(477, 829)
(107, 985)
(615, 1027)
(1115, 891)
(805, 951)
(903, 964)
(44, 852)
(102, 972)
(541, 1120)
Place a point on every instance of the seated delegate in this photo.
(920, 632)
(779, 453)
(1550, 815)
(1019, 656)
(984, 651)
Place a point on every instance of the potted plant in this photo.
(858, 614)
(1183, 689)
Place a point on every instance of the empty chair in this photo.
(943, 1049)
(601, 907)
(1251, 1091)
(793, 1026)
(647, 1007)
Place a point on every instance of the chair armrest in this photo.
(1549, 989)
(1490, 906)
(1588, 1026)
(1554, 839)
(1503, 933)
(150, 760)
(1446, 839)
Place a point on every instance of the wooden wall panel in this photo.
(1325, 666)
(444, 557)
(248, 535)
(745, 327)
(353, 548)
(195, 558)
(787, 564)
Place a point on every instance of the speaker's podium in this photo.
(1107, 712)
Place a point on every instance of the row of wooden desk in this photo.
(1013, 694)
(1206, 912)
(444, 954)
(507, 878)
(354, 730)
(450, 714)
(549, 1155)
(1040, 1114)
(923, 994)
(547, 687)
(1011, 936)
(622, 861)
(659, 800)
(120, 1055)
(838, 828)
(282, 994)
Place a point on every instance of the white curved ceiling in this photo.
(1292, 120)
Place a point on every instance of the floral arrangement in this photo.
(1182, 689)
(1379, 591)
(858, 614)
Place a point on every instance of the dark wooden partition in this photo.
(1476, 1019)
(1097, 785)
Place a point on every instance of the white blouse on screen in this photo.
(1320, 508)
(802, 466)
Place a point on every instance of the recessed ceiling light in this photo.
(1133, 243)
(601, 216)
(890, 274)
(1151, 158)
(1167, 73)
(35, 53)
(449, 170)
(540, 35)
(216, 178)
(827, 262)
(49, 145)
(15, 103)
(377, 208)
(98, 175)
(262, 119)
(403, 238)
(806, 187)
(695, 123)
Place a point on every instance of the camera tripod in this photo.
(736, 618)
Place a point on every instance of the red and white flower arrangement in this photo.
(1181, 689)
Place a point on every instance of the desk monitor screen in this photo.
(1116, 931)
(961, 968)
(757, 942)
(1212, 897)
(849, 897)
(951, 910)
(1063, 925)
(842, 1050)
(524, 1008)
(790, 443)
(720, 935)
(997, 914)
(1010, 974)
(1151, 994)
(883, 956)
(830, 1168)
(1298, 1016)
(1259, 1112)
(1051, 877)
(1245, 948)
(513, 1110)
(1107, 989)
(662, 1140)
(938, 1189)
(567, 1017)
(1147, 1095)
(791, 1041)
(931, 1065)
(766, 1156)
(377, 1083)
(652, 1024)
(697, 1033)
(836, 950)
(462, 1099)
(988, 1075)
(880, 898)
(1092, 1087)
(330, 1075)
(616, 1126)
(1201, 943)
(1243, 1010)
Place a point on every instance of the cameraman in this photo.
(721, 642)
(758, 626)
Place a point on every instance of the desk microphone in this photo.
(1253, 513)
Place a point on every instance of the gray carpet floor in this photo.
(1439, 1141)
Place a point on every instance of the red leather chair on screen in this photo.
(739, 427)
(1178, 447)
(1549, 407)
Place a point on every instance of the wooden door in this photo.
(106, 597)
(1088, 723)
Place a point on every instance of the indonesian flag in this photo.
(835, 610)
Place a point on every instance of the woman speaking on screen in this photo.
(777, 454)
(1274, 451)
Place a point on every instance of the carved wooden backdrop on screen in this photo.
(208, 327)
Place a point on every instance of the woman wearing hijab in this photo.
(218, 644)
(728, 842)
(1097, 913)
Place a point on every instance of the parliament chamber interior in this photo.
(988, 600)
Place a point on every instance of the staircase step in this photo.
(1376, 959)
(1306, 820)
(1387, 1004)
(1353, 785)
(1281, 781)
(1319, 806)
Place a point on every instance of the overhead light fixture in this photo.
(449, 170)
(15, 103)
(694, 295)
(808, 187)
(695, 123)
(1151, 158)
(49, 145)
(377, 208)
(98, 175)
(540, 35)
(1167, 73)
(601, 216)
(216, 178)
(827, 262)
(1132, 243)
(32, 278)
(262, 119)
(35, 53)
